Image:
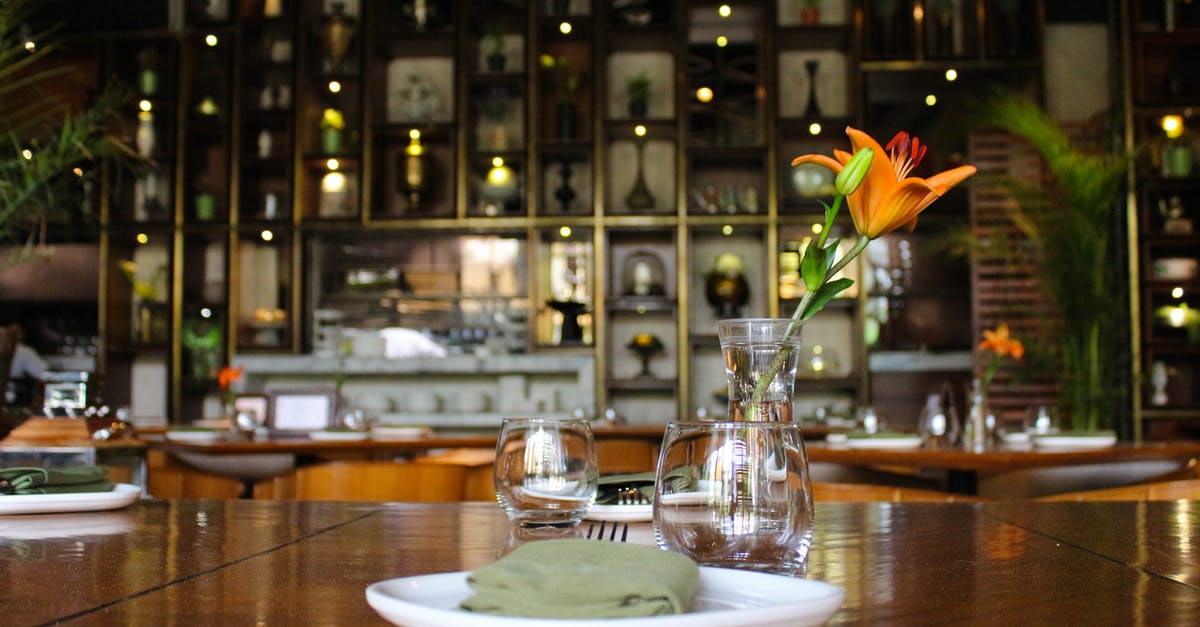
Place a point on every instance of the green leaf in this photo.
(831, 254)
(813, 266)
(824, 295)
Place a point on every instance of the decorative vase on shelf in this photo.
(564, 194)
(568, 120)
(571, 332)
(639, 197)
(336, 31)
(331, 140)
(726, 287)
(810, 14)
(645, 346)
(760, 367)
(206, 206)
(414, 169)
(813, 110)
(147, 75)
(145, 137)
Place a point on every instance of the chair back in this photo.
(372, 481)
(826, 491)
(1184, 489)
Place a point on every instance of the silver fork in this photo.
(632, 496)
(608, 532)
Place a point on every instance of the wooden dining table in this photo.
(209, 562)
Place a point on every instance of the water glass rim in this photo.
(732, 424)
(755, 330)
(545, 420)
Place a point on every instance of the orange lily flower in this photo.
(888, 197)
(1001, 343)
(228, 375)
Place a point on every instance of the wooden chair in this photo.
(369, 481)
(1183, 489)
(866, 493)
(477, 462)
(621, 456)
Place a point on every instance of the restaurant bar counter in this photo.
(209, 562)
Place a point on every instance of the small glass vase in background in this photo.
(753, 347)
(980, 425)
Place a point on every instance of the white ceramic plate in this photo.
(121, 495)
(1016, 438)
(338, 436)
(884, 443)
(196, 437)
(399, 433)
(1074, 441)
(621, 513)
(726, 598)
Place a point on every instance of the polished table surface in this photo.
(291, 563)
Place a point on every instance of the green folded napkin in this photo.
(54, 480)
(577, 578)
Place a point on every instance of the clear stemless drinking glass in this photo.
(735, 495)
(545, 471)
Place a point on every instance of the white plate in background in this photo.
(338, 436)
(884, 443)
(121, 495)
(1074, 441)
(620, 513)
(384, 432)
(196, 437)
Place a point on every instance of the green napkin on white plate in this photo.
(54, 480)
(576, 578)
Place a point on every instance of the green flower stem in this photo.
(798, 317)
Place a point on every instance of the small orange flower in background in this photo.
(1001, 343)
(228, 375)
(888, 196)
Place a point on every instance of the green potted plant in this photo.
(564, 82)
(333, 123)
(49, 148)
(1071, 240)
(810, 13)
(493, 43)
(637, 88)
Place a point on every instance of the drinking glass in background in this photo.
(545, 471)
(1041, 420)
(735, 495)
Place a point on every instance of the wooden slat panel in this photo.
(1005, 284)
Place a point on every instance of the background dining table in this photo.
(305, 562)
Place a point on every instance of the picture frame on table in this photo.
(258, 404)
(298, 412)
